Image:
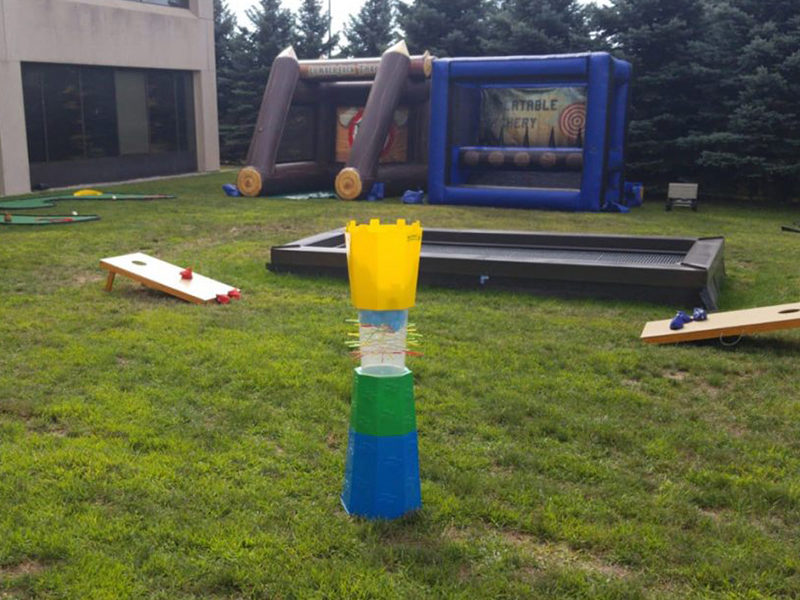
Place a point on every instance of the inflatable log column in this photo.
(275, 104)
(356, 179)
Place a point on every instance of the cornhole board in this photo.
(163, 276)
(725, 324)
(46, 219)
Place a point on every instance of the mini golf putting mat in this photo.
(27, 204)
(115, 197)
(49, 201)
(46, 219)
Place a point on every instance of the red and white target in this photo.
(573, 120)
(352, 132)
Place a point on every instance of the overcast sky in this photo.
(341, 9)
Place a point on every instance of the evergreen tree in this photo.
(538, 27)
(446, 27)
(762, 11)
(761, 143)
(224, 31)
(252, 52)
(236, 123)
(371, 31)
(313, 25)
(272, 31)
(665, 41)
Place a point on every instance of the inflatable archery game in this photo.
(529, 132)
(366, 118)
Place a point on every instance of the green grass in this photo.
(150, 448)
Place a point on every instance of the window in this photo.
(176, 3)
(34, 113)
(162, 112)
(103, 124)
(99, 112)
(79, 112)
(62, 113)
(134, 136)
(185, 107)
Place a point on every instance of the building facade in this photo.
(105, 90)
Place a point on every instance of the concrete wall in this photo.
(117, 33)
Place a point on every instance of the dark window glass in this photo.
(162, 111)
(99, 112)
(34, 112)
(62, 109)
(176, 3)
(81, 112)
(185, 104)
(132, 128)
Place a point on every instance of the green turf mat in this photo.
(47, 201)
(47, 219)
(308, 196)
(117, 197)
(27, 203)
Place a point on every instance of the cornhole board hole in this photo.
(165, 277)
(725, 324)
(46, 219)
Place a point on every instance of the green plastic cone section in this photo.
(383, 405)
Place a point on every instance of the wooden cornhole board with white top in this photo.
(725, 324)
(163, 276)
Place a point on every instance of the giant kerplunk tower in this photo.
(382, 473)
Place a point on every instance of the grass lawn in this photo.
(150, 448)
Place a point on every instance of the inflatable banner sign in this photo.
(533, 117)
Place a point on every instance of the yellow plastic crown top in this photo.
(383, 263)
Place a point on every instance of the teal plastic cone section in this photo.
(382, 405)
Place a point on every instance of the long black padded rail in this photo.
(677, 271)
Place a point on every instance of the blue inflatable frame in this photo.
(607, 81)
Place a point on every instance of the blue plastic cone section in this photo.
(381, 479)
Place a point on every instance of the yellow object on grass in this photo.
(383, 263)
(87, 192)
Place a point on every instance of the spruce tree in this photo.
(761, 144)
(312, 39)
(446, 27)
(252, 52)
(537, 27)
(665, 41)
(272, 31)
(224, 31)
(236, 123)
(371, 31)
